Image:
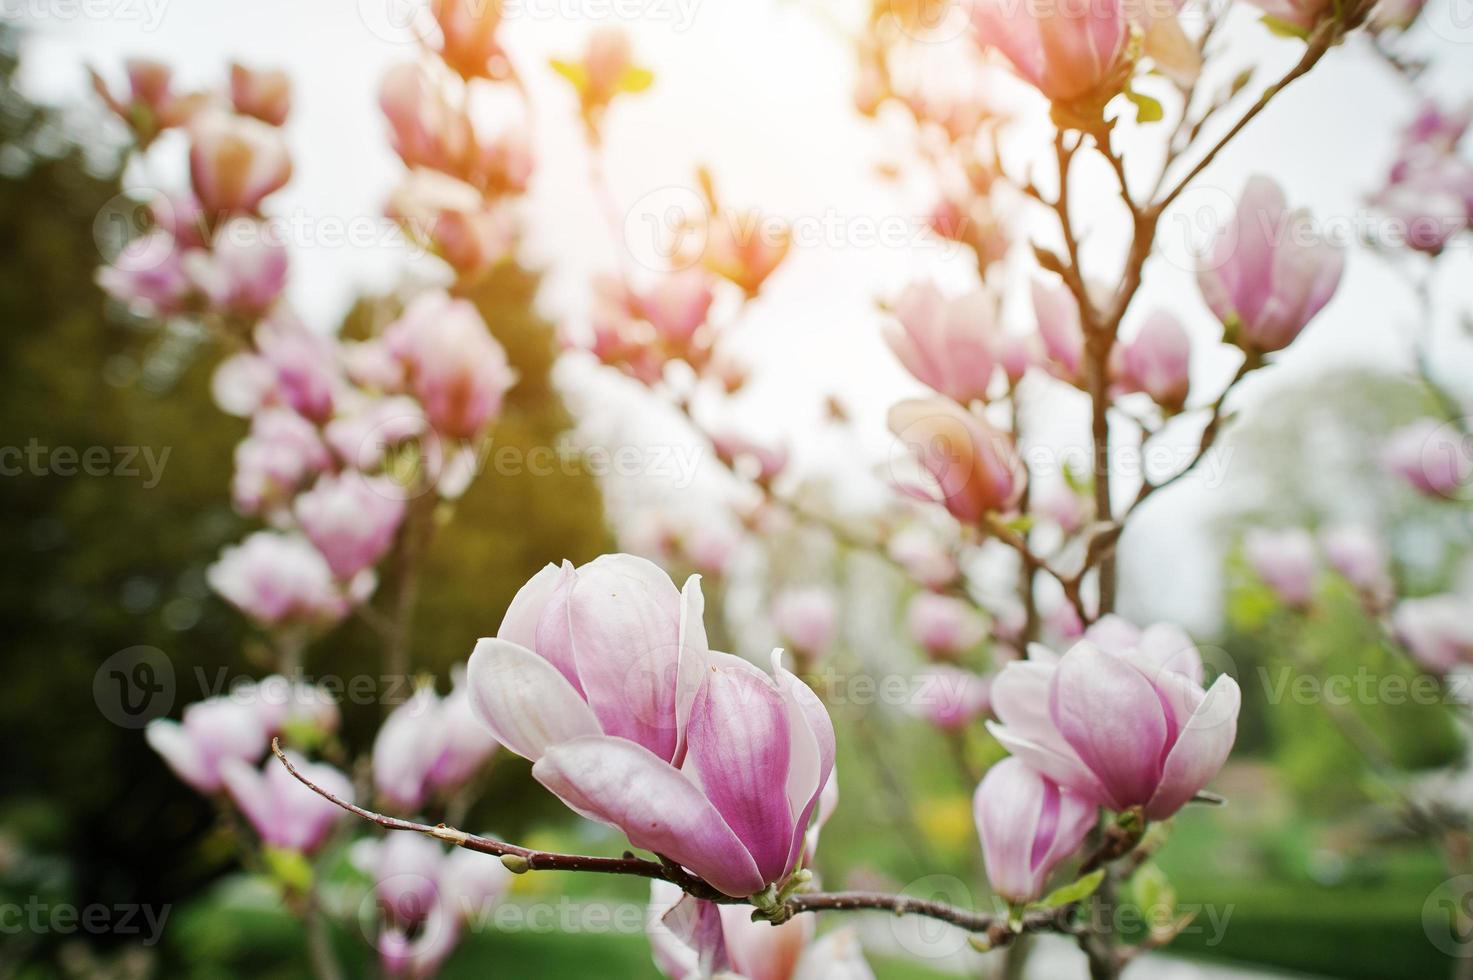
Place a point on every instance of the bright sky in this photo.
(761, 89)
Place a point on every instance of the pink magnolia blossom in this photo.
(368, 428)
(468, 35)
(150, 274)
(1062, 505)
(924, 556)
(291, 367)
(243, 272)
(1069, 51)
(1016, 353)
(1267, 274)
(150, 104)
(690, 939)
(1436, 630)
(426, 130)
(279, 579)
(454, 366)
(1304, 15)
(282, 451)
(946, 343)
(351, 518)
(745, 247)
(285, 813)
(1123, 729)
(1029, 825)
(944, 625)
(263, 93)
(951, 698)
(284, 706)
(603, 675)
(1395, 14)
(677, 304)
(974, 466)
(429, 745)
(1284, 560)
(235, 162)
(1060, 328)
(1157, 361)
(211, 731)
(1434, 458)
(735, 449)
(1359, 555)
(807, 618)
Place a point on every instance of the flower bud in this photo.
(1028, 826)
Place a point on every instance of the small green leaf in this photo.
(290, 869)
(1147, 108)
(1076, 891)
(1282, 28)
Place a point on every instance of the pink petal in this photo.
(1112, 717)
(1200, 750)
(525, 702)
(810, 773)
(740, 750)
(624, 618)
(691, 671)
(617, 782)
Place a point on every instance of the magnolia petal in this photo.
(691, 671)
(1112, 717)
(1201, 749)
(1064, 769)
(740, 748)
(811, 772)
(175, 747)
(624, 619)
(622, 784)
(524, 700)
(835, 956)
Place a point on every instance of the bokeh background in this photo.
(1302, 867)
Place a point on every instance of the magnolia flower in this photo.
(280, 579)
(1062, 505)
(305, 365)
(284, 705)
(735, 449)
(924, 556)
(351, 518)
(150, 274)
(1284, 560)
(1123, 729)
(281, 452)
(690, 939)
(1157, 361)
(243, 272)
(212, 731)
(602, 675)
(1268, 273)
(1302, 15)
(235, 161)
(453, 365)
(1028, 825)
(606, 70)
(1359, 555)
(946, 343)
(1436, 630)
(284, 812)
(974, 466)
(1069, 51)
(1016, 353)
(429, 745)
(150, 105)
(806, 617)
(1431, 198)
(263, 93)
(369, 428)
(426, 130)
(677, 305)
(944, 625)
(1432, 457)
(745, 247)
(951, 698)
(468, 35)
(1060, 328)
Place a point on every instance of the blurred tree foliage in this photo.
(99, 564)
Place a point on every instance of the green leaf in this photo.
(1147, 108)
(1076, 891)
(1282, 28)
(290, 869)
